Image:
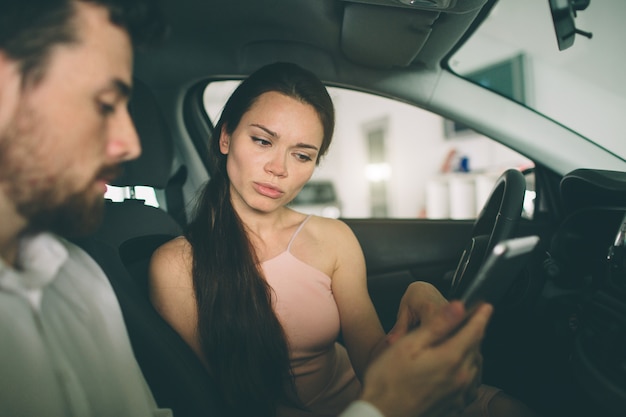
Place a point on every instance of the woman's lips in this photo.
(268, 190)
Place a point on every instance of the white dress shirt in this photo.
(64, 349)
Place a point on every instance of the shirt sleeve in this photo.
(361, 409)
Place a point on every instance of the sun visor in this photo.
(384, 37)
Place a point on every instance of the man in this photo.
(65, 79)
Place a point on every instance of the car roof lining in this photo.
(326, 36)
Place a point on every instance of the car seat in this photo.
(123, 245)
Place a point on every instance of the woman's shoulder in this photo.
(333, 232)
(329, 224)
(330, 244)
(172, 260)
(174, 249)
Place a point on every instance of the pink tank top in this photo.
(306, 308)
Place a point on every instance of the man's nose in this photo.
(124, 141)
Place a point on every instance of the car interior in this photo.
(556, 340)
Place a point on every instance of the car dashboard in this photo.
(585, 294)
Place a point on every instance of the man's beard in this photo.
(72, 215)
(78, 215)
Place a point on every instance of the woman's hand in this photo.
(419, 303)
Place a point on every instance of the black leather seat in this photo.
(122, 246)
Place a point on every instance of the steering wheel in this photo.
(496, 222)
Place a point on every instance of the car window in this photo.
(390, 159)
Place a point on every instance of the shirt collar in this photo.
(39, 259)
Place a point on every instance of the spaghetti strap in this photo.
(297, 231)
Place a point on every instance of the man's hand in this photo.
(432, 370)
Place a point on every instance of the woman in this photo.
(260, 291)
(259, 280)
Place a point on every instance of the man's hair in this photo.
(29, 29)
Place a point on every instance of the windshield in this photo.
(515, 52)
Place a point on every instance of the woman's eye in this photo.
(303, 157)
(261, 141)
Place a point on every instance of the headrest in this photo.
(154, 166)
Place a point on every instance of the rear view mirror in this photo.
(563, 15)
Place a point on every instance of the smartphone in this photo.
(499, 270)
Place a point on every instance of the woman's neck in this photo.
(270, 232)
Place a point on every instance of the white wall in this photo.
(416, 150)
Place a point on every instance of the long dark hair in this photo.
(241, 338)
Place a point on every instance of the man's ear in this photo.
(224, 141)
(10, 88)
